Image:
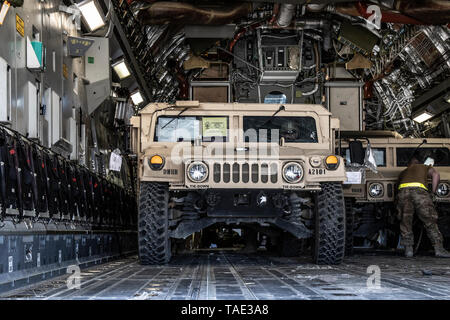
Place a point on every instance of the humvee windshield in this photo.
(378, 153)
(189, 128)
(271, 129)
(441, 156)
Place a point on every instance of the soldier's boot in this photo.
(440, 252)
(437, 240)
(409, 251)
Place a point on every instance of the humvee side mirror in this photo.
(357, 153)
(282, 141)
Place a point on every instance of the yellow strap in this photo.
(412, 185)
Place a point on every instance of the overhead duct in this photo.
(432, 12)
(316, 7)
(184, 13)
(360, 10)
(428, 11)
(287, 12)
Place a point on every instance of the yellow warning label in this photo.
(20, 25)
(65, 71)
(215, 126)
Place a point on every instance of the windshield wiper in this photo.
(281, 108)
(176, 117)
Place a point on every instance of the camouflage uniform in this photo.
(420, 201)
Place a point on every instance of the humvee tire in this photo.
(329, 245)
(153, 224)
(349, 226)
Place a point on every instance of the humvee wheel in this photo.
(154, 241)
(329, 245)
(349, 225)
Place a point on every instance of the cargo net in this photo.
(37, 184)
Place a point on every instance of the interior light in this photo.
(91, 14)
(121, 69)
(447, 98)
(137, 98)
(4, 11)
(424, 116)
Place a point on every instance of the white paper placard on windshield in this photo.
(353, 177)
(115, 162)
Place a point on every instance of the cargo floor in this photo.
(232, 275)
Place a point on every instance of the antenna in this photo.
(417, 148)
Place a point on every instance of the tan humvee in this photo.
(370, 205)
(266, 164)
(392, 156)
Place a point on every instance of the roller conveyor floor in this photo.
(231, 275)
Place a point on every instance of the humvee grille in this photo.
(242, 172)
(390, 192)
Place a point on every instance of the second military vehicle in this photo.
(370, 195)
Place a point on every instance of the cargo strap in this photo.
(412, 185)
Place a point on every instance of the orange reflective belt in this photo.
(413, 185)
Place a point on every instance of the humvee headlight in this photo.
(292, 172)
(197, 172)
(156, 162)
(376, 190)
(331, 162)
(443, 190)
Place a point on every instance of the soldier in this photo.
(413, 196)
